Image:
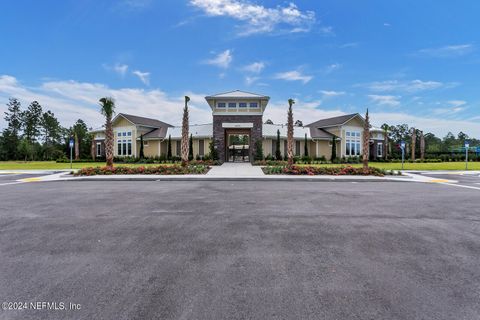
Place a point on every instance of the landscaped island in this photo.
(160, 169)
(315, 170)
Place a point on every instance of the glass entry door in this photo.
(238, 147)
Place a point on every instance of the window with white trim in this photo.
(99, 149)
(145, 143)
(242, 104)
(221, 105)
(352, 143)
(124, 147)
(253, 105)
(232, 104)
(380, 149)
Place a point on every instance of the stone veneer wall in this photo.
(219, 131)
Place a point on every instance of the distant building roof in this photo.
(333, 122)
(197, 131)
(149, 122)
(270, 131)
(237, 94)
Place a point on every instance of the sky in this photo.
(407, 61)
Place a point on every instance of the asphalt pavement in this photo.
(240, 250)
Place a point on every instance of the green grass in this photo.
(414, 166)
(52, 165)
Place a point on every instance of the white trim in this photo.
(237, 125)
(256, 112)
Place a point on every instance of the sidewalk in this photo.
(236, 170)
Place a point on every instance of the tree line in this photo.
(36, 134)
(420, 144)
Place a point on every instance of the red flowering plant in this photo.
(313, 170)
(160, 169)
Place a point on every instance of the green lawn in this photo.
(52, 165)
(415, 166)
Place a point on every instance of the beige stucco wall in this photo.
(120, 125)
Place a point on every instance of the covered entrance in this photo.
(237, 148)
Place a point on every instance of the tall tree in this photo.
(31, 119)
(422, 146)
(278, 154)
(334, 149)
(366, 141)
(11, 135)
(107, 108)
(414, 140)
(305, 147)
(142, 154)
(190, 148)
(184, 142)
(169, 148)
(50, 128)
(385, 141)
(290, 133)
(81, 136)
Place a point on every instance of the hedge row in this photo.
(336, 171)
(164, 170)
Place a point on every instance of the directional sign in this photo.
(402, 144)
(71, 143)
(467, 144)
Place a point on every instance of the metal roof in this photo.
(333, 122)
(197, 130)
(237, 94)
(142, 121)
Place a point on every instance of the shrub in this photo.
(311, 171)
(164, 170)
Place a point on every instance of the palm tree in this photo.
(386, 142)
(290, 133)
(305, 147)
(169, 148)
(185, 144)
(422, 146)
(278, 154)
(414, 140)
(107, 108)
(366, 141)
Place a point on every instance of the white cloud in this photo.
(392, 101)
(331, 93)
(386, 24)
(448, 51)
(255, 67)
(332, 67)
(308, 112)
(293, 75)
(404, 86)
(455, 106)
(121, 69)
(72, 100)
(258, 18)
(250, 80)
(222, 60)
(143, 76)
(438, 126)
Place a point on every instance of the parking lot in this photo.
(241, 250)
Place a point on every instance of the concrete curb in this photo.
(236, 178)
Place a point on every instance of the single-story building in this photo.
(237, 126)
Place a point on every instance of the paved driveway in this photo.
(241, 250)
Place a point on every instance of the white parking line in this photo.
(459, 185)
(9, 183)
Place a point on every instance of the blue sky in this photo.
(415, 62)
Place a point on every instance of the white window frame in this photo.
(380, 150)
(145, 143)
(353, 141)
(253, 107)
(234, 107)
(99, 149)
(221, 107)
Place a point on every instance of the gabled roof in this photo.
(270, 131)
(335, 121)
(237, 94)
(318, 133)
(159, 133)
(142, 121)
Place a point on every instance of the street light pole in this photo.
(71, 152)
(402, 146)
(467, 145)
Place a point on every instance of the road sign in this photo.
(467, 144)
(71, 143)
(402, 144)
